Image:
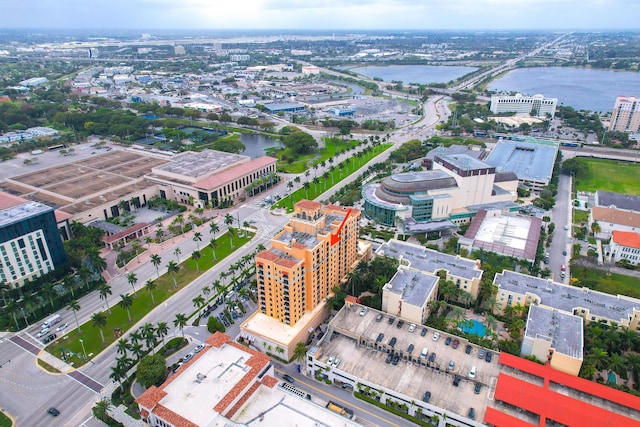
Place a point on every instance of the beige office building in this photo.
(626, 114)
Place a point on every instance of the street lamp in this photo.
(83, 350)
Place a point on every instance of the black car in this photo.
(391, 320)
(288, 378)
(424, 332)
(400, 324)
(472, 413)
(426, 397)
(467, 349)
(488, 357)
(432, 357)
(477, 388)
(447, 341)
(389, 358)
(456, 380)
(53, 411)
(396, 359)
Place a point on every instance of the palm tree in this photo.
(197, 237)
(196, 255)
(151, 285)
(617, 364)
(99, 320)
(228, 220)
(123, 346)
(135, 336)
(126, 301)
(149, 334)
(177, 253)
(132, 279)
(306, 186)
(206, 290)
(160, 235)
(136, 349)
(118, 373)
(633, 363)
(213, 244)
(47, 292)
(172, 269)
(101, 409)
(156, 260)
(105, 291)
(162, 330)
(300, 352)
(11, 309)
(198, 303)
(180, 322)
(84, 273)
(214, 228)
(69, 285)
(492, 323)
(598, 358)
(74, 306)
(4, 290)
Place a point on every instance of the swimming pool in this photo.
(476, 328)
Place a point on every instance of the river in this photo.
(423, 74)
(581, 88)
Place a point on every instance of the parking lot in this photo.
(413, 375)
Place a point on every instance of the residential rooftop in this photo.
(564, 330)
(413, 286)
(569, 298)
(429, 260)
(528, 160)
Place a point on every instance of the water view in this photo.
(424, 74)
(581, 88)
(256, 144)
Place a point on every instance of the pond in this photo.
(256, 144)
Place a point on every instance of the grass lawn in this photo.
(4, 420)
(580, 216)
(302, 163)
(610, 175)
(613, 284)
(354, 163)
(142, 303)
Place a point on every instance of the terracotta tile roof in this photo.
(308, 204)
(627, 238)
(242, 400)
(615, 216)
(173, 418)
(298, 245)
(9, 200)
(124, 233)
(269, 381)
(232, 174)
(61, 216)
(218, 339)
(351, 299)
(151, 397)
(286, 262)
(268, 255)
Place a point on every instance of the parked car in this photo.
(436, 336)
(391, 320)
(456, 380)
(412, 327)
(467, 349)
(53, 411)
(452, 365)
(432, 357)
(363, 311)
(455, 343)
(481, 354)
(488, 357)
(198, 348)
(336, 362)
(563, 267)
(288, 378)
(426, 397)
(447, 341)
(187, 357)
(396, 359)
(389, 358)
(472, 413)
(400, 324)
(472, 372)
(477, 388)
(424, 332)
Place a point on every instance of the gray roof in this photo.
(369, 193)
(413, 286)
(568, 298)
(562, 329)
(22, 211)
(505, 177)
(200, 164)
(626, 202)
(430, 261)
(465, 162)
(106, 226)
(310, 241)
(528, 160)
(455, 149)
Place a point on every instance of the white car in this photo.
(363, 311)
(436, 336)
(330, 361)
(198, 348)
(412, 327)
(62, 327)
(336, 363)
(43, 332)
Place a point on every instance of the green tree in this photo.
(228, 220)
(300, 143)
(162, 330)
(156, 260)
(198, 303)
(213, 325)
(151, 370)
(99, 320)
(213, 244)
(196, 255)
(74, 306)
(300, 352)
(102, 408)
(132, 279)
(197, 237)
(180, 322)
(126, 301)
(151, 286)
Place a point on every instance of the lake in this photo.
(256, 144)
(581, 88)
(424, 74)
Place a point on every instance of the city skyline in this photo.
(324, 14)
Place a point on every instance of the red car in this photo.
(455, 343)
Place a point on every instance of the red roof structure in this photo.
(626, 238)
(232, 174)
(550, 400)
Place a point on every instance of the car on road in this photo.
(53, 411)
(187, 357)
(426, 397)
(198, 348)
(288, 378)
(62, 327)
(49, 338)
(436, 336)
(455, 343)
(566, 227)
(423, 332)
(43, 332)
(447, 341)
(564, 253)
(467, 349)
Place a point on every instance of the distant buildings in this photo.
(287, 107)
(35, 81)
(315, 251)
(29, 134)
(308, 70)
(626, 115)
(346, 110)
(535, 106)
(30, 244)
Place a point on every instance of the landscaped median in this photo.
(352, 165)
(142, 302)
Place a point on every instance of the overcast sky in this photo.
(321, 14)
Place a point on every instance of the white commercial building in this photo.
(536, 105)
(310, 69)
(626, 114)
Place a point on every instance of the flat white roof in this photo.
(511, 231)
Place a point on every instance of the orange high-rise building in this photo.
(316, 249)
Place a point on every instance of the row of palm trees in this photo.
(262, 183)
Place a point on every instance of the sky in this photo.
(322, 14)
